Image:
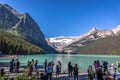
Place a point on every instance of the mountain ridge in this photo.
(91, 36)
(89, 40)
(23, 26)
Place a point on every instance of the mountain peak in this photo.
(116, 30)
(118, 26)
(13, 11)
(93, 30)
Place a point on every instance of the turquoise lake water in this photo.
(83, 61)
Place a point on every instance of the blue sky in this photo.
(69, 17)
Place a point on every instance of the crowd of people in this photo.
(14, 65)
(32, 66)
(73, 70)
(100, 71)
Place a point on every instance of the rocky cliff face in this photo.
(22, 25)
(7, 19)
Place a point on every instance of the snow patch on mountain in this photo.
(93, 31)
(116, 30)
(63, 39)
(59, 42)
(70, 42)
(104, 33)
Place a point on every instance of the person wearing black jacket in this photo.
(70, 69)
(99, 73)
(75, 72)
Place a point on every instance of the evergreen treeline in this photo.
(109, 45)
(10, 44)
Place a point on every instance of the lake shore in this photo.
(81, 60)
(63, 76)
(8, 56)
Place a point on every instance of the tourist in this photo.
(49, 70)
(32, 61)
(118, 66)
(105, 66)
(99, 73)
(52, 64)
(17, 65)
(36, 65)
(11, 65)
(91, 74)
(33, 64)
(115, 70)
(95, 65)
(98, 63)
(2, 72)
(112, 67)
(30, 69)
(109, 77)
(28, 64)
(70, 69)
(60, 66)
(14, 65)
(75, 72)
(45, 65)
(57, 71)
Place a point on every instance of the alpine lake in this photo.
(83, 61)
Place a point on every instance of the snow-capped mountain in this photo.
(104, 33)
(92, 31)
(116, 30)
(59, 42)
(69, 44)
(93, 35)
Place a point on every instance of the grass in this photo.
(24, 76)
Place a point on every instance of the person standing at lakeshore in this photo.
(17, 65)
(49, 71)
(91, 74)
(32, 61)
(60, 66)
(33, 64)
(28, 63)
(98, 63)
(118, 66)
(11, 65)
(57, 71)
(30, 68)
(52, 64)
(95, 65)
(105, 66)
(36, 65)
(70, 69)
(75, 72)
(45, 65)
(99, 73)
